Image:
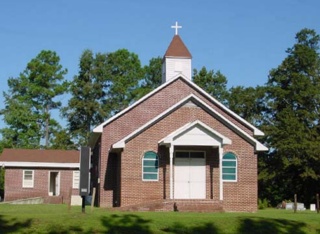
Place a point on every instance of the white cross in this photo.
(176, 27)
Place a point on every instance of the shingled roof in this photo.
(41, 156)
(177, 48)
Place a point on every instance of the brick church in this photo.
(177, 148)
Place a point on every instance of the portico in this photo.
(187, 167)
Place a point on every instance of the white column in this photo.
(220, 166)
(171, 170)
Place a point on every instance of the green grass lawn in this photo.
(59, 219)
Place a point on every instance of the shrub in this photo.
(263, 204)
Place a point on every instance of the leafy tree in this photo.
(23, 130)
(293, 95)
(152, 77)
(30, 99)
(249, 103)
(124, 73)
(85, 108)
(106, 84)
(214, 83)
(62, 140)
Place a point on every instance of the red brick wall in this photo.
(14, 189)
(243, 194)
(133, 190)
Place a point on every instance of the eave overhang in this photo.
(39, 165)
(258, 146)
(256, 131)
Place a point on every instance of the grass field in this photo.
(59, 219)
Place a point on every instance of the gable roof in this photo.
(177, 49)
(255, 130)
(39, 158)
(211, 135)
(198, 101)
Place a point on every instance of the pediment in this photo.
(195, 134)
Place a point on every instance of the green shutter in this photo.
(229, 170)
(150, 163)
(229, 163)
(150, 169)
(228, 177)
(229, 156)
(150, 155)
(229, 167)
(150, 166)
(150, 176)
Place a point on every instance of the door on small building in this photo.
(54, 183)
(189, 175)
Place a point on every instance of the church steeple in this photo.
(177, 59)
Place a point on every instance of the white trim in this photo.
(75, 179)
(230, 160)
(24, 184)
(99, 128)
(121, 144)
(39, 164)
(258, 146)
(150, 180)
(56, 185)
(171, 151)
(170, 138)
(256, 131)
(220, 177)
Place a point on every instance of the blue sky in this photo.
(243, 39)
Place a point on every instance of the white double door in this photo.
(189, 177)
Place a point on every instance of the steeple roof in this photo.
(177, 49)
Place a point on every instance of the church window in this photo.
(229, 167)
(150, 164)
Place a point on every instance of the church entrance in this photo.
(190, 175)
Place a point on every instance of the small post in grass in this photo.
(318, 203)
(295, 203)
(83, 204)
(70, 197)
(93, 196)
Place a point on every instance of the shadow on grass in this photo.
(131, 223)
(204, 228)
(246, 226)
(12, 225)
(64, 230)
(279, 226)
(127, 223)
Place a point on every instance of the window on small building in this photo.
(75, 179)
(229, 167)
(150, 165)
(28, 179)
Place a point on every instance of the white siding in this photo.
(175, 66)
(197, 136)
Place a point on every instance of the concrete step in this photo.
(177, 205)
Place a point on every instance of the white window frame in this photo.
(150, 160)
(26, 183)
(76, 179)
(236, 167)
